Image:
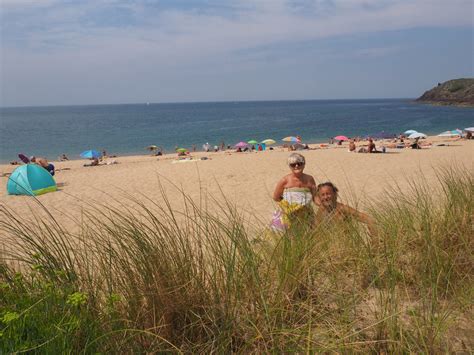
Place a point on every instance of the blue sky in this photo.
(116, 51)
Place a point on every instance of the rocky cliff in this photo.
(452, 92)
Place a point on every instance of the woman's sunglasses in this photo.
(294, 165)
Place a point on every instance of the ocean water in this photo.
(127, 129)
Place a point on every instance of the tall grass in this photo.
(148, 278)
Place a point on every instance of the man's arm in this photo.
(362, 217)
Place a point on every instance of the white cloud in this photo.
(253, 23)
(69, 41)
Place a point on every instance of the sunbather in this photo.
(94, 162)
(44, 163)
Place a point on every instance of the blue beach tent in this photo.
(30, 179)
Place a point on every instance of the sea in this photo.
(128, 129)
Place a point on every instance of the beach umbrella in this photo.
(152, 147)
(90, 154)
(469, 129)
(341, 138)
(241, 145)
(452, 133)
(252, 141)
(268, 141)
(417, 135)
(447, 134)
(410, 131)
(291, 139)
(181, 150)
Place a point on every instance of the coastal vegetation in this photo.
(453, 92)
(146, 278)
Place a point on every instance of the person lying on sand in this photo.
(397, 145)
(330, 209)
(94, 162)
(294, 194)
(44, 163)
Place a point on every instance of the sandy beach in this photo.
(350, 276)
(247, 179)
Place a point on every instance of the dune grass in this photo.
(147, 278)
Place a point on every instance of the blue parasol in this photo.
(91, 154)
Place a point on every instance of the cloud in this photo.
(56, 41)
(245, 23)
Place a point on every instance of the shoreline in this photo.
(5, 167)
(245, 179)
(111, 128)
(313, 144)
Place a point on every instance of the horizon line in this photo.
(202, 102)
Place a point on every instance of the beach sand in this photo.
(246, 179)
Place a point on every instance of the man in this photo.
(43, 163)
(371, 148)
(415, 144)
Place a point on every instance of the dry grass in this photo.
(149, 278)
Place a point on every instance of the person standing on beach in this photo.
(294, 193)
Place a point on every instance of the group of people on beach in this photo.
(395, 143)
(297, 192)
(43, 162)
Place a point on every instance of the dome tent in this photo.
(30, 179)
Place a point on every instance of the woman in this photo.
(294, 194)
(329, 208)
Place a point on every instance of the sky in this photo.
(134, 51)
